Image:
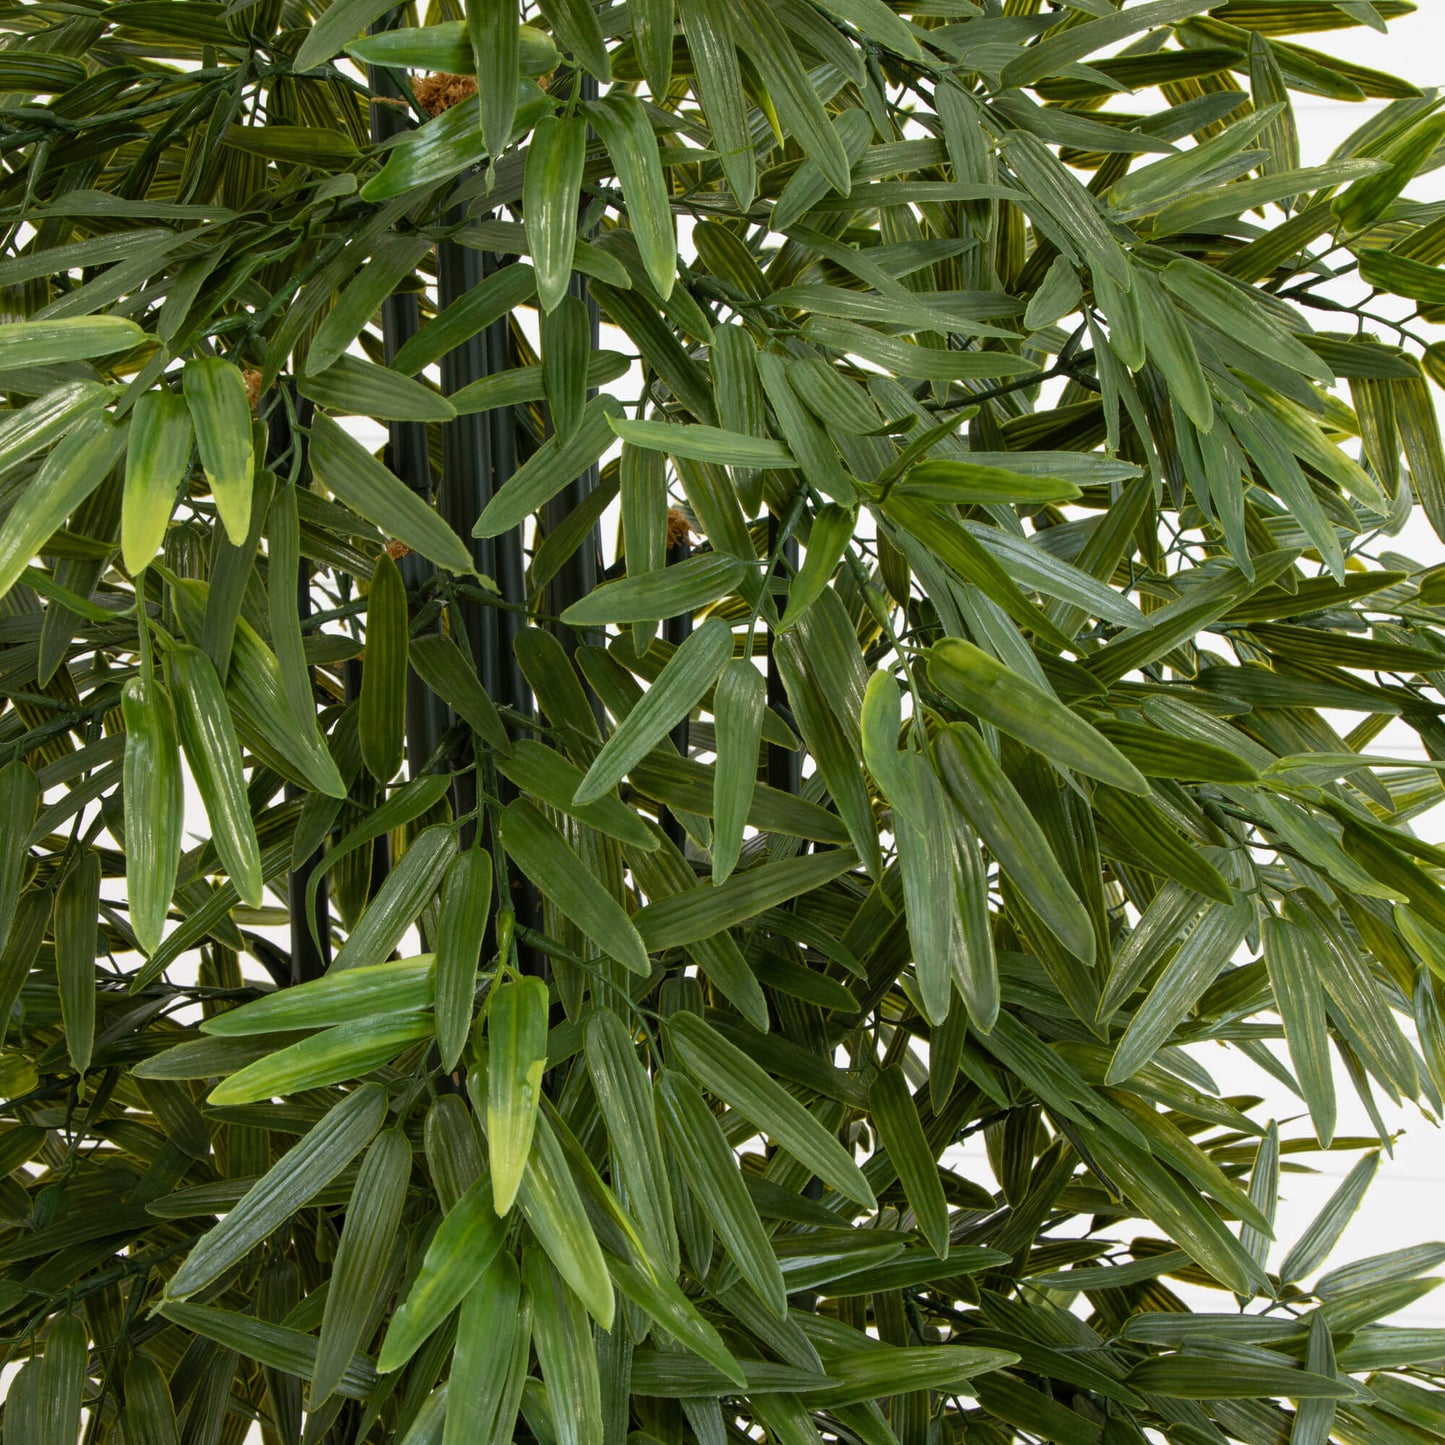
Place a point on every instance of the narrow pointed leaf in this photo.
(465, 1243)
(466, 903)
(732, 1076)
(362, 1256)
(215, 393)
(158, 456)
(544, 856)
(689, 673)
(214, 758)
(302, 1172)
(517, 1035)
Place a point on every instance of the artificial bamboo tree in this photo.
(748, 594)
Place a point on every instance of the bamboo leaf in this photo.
(549, 469)
(494, 1326)
(1301, 1004)
(689, 673)
(984, 795)
(1323, 1232)
(626, 132)
(215, 393)
(565, 1351)
(372, 1216)
(73, 338)
(408, 888)
(302, 1172)
(986, 687)
(545, 857)
(347, 1051)
(157, 459)
(71, 472)
(382, 721)
(909, 1153)
(555, 1214)
(714, 1180)
(550, 201)
(739, 701)
(466, 902)
(624, 1096)
(154, 807)
(464, 1244)
(213, 755)
(517, 1035)
(728, 1073)
(367, 487)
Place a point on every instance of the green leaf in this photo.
(948, 480)
(713, 1179)
(394, 259)
(408, 888)
(733, 1077)
(214, 758)
(544, 855)
(439, 662)
(302, 1172)
(1301, 1004)
(696, 914)
(62, 1381)
(868, 1374)
(73, 338)
(689, 673)
(343, 465)
(627, 133)
(1180, 1378)
(1325, 1229)
(984, 795)
(984, 686)
(767, 45)
(351, 386)
(449, 145)
(466, 903)
(149, 1416)
(550, 199)
(739, 701)
(896, 1115)
(704, 443)
(683, 588)
(340, 22)
(157, 459)
(551, 779)
(550, 468)
(555, 1214)
(517, 1036)
(19, 796)
(381, 724)
(66, 478)
(1057, 53)
(1206, 951)
(77, 904)
(464, 1244)
(494, 1326)
(708, 27)
(347, 1051)
(220, 408)
(495, 43)
(470, 313)
(625, 1098)
(1365, 201)
(362, 1256)
(565, 1352)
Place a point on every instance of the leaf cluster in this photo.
(873, 628)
